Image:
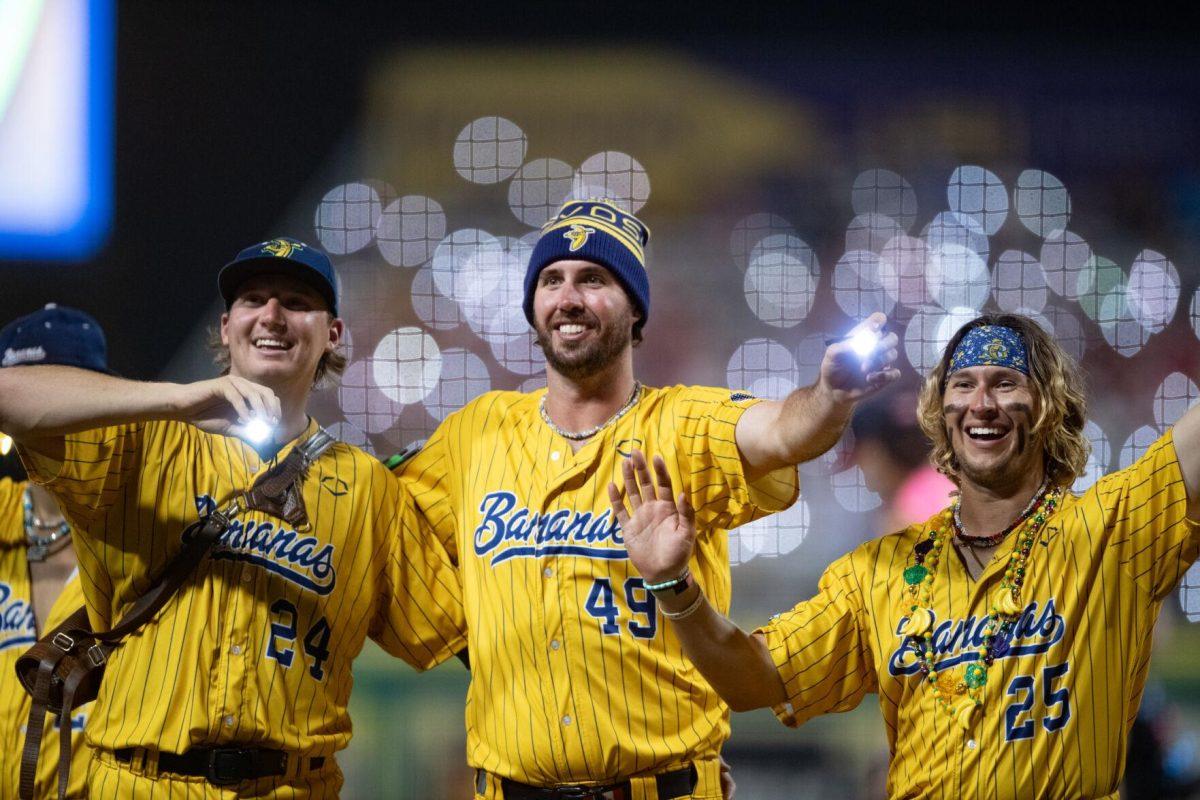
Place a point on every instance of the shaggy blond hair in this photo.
(1059, 399)
(329, 369)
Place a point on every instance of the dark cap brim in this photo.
(235, 273)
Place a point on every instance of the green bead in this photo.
(975, 675)
(915, 574)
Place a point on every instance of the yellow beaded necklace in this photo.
(959, 690)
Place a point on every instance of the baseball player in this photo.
(1008, 637)
(577, 687)
(39, 583)
(241, 682)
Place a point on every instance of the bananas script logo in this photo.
(281, 248)
(578, 235)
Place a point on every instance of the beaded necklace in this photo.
(960, 530)
(959, 690)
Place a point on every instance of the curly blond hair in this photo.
(1059, 398)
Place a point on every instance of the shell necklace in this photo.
(576, 436)
(39, 545)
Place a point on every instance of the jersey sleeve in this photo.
(420, 617)
(821, 649)
(705, 420)
(95, 467)
(429, 479)
(1139, 515)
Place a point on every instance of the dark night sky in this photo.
(226, 112)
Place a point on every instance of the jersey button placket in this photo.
(233, 669)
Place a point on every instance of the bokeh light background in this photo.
(789, 195)
(775, 224)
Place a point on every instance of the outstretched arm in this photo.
(810, 420)
(660, 534)
(1187, 450)
(41, 404)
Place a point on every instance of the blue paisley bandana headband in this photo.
(990, 346)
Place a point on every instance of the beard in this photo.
(584, 359)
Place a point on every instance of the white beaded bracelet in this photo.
(687, 612)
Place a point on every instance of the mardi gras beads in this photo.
(959, 690)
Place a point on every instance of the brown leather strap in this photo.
(64, 749)
(70, 686)
(276, 492)
(33, 728)
(199, 537)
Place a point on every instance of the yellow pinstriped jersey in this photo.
(575, 677)
(18, 631)
(256, 647)
(1059, 704)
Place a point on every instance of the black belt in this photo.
(677, 783)
(222, 766)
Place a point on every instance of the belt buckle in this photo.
(224, 762)
(583, 793)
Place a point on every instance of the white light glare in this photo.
(863, 342)
(5, 444)
(257, 431)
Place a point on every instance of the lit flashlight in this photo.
(257, 432)
(5, 444)
(862, 341)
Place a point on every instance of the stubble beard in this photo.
(591, 357)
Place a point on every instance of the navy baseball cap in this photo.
(281, 256)
(54, 335)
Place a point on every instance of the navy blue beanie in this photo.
(596, 231)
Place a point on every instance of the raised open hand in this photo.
(659, 529)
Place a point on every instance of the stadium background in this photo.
(798, 169)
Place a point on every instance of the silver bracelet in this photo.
(687, 612)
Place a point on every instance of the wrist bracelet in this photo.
(687, 612)
(679, 584)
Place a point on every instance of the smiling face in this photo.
(989, 414)
(583, 318)
(277, 329)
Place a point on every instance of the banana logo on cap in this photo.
(281, 248)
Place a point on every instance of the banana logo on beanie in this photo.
(578, 235)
